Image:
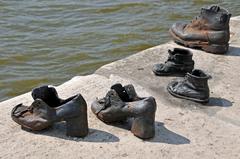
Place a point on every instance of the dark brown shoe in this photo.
(40, 116)
(209, 31)
(112, 108)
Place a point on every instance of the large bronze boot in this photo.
(209, 31)
(40, 116)
(179, 62)
(112, 108)
(193, 87)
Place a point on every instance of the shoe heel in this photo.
(143, 127)
(77, 127)
(216, 49)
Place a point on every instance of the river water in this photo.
(50, 41)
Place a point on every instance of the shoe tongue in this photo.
(122, 93)
(111, 99)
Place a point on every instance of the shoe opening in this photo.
(181, 51)
(121, 92)
(199, 73)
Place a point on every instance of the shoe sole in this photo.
(188, 98)
(169, 74)
(212, 48)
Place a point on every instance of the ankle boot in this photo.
(209, 31)
(49, 95)
(40, 116)
(112, 108)
(179, 62)
(193, 87)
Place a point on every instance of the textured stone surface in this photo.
(184, 129)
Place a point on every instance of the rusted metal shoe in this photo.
(40, 116)
(209, 31)
(193, 87)
(36, 117)
(112, 108)
(179, 62)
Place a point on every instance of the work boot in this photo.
(209, 31)
(112, 108)
(49, 95)
(193, 87)
(179, 62)
(40, 116)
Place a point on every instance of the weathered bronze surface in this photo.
(40, 115)
(122, 103)
(179, 62)
(209, 31)
(193, 87)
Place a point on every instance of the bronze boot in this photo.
(179, 62)
(112, 108)
(193, 87)
(209, 31)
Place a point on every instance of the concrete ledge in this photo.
(184, 129)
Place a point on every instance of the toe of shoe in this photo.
(17, 110)
(157, 68)
(172, 86)
(96, 107)
(178, 29)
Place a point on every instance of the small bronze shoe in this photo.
(193, 87)
(40, 116)
(112, 108)
(179, 62)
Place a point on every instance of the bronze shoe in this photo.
(193, 87)
(112, 108)
(209, 31)
(179, 62)
(40, 116)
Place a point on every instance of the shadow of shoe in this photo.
(220, 102)
(233, 51)
(94, 135)
(163, 135)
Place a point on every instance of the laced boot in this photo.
(179, 62)
(112, 108)
(209, 31)
(40, 116)
(193, 87)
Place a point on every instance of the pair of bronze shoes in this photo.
(48, 109)
(119, 104)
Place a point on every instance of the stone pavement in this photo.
(184, 129)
